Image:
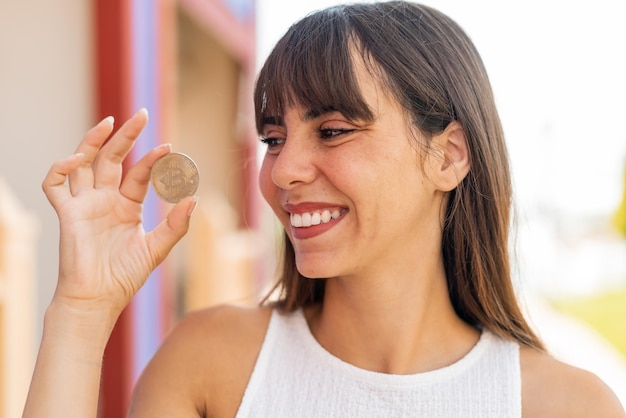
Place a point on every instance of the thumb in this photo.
(163, 238)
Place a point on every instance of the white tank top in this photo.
(296, 377)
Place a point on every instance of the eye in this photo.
(273, 143)
(331, 133)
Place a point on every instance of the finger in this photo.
(108, 165)
(82, 177)
(171, 230)
(54, 185)
(137, 180)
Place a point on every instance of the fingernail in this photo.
(164, 146)
(78, 155)
(192, 205)
(109, 119)
(143, 110)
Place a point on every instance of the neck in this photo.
(400, 323)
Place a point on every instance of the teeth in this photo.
(314, 218)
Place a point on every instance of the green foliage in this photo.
(605, 312)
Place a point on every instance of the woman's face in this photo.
(351, 194)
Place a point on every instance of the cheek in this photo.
(266, 185)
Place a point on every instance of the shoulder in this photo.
(551, 388)
(223, 325)
(206, 361)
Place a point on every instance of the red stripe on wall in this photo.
(113, 97)
(113, 72)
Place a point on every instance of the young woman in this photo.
(387, 167)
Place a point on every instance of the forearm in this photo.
(66, 380)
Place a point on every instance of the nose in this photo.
(294, 165)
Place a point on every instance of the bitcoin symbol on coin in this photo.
(174, 177)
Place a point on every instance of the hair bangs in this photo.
(312, 67)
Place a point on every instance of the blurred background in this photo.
(557, 71)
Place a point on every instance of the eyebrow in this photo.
(308, 115)
(316, 113)
(273, 120)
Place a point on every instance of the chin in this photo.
(315, 269)
(313, 273)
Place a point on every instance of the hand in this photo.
(105, 255)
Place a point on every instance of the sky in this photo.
(557, 69)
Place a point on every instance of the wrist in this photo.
(84, 323)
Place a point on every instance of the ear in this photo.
(451, 159)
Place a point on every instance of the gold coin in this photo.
(174, 176)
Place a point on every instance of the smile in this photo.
(307, 219)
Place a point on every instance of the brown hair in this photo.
(434, 71)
